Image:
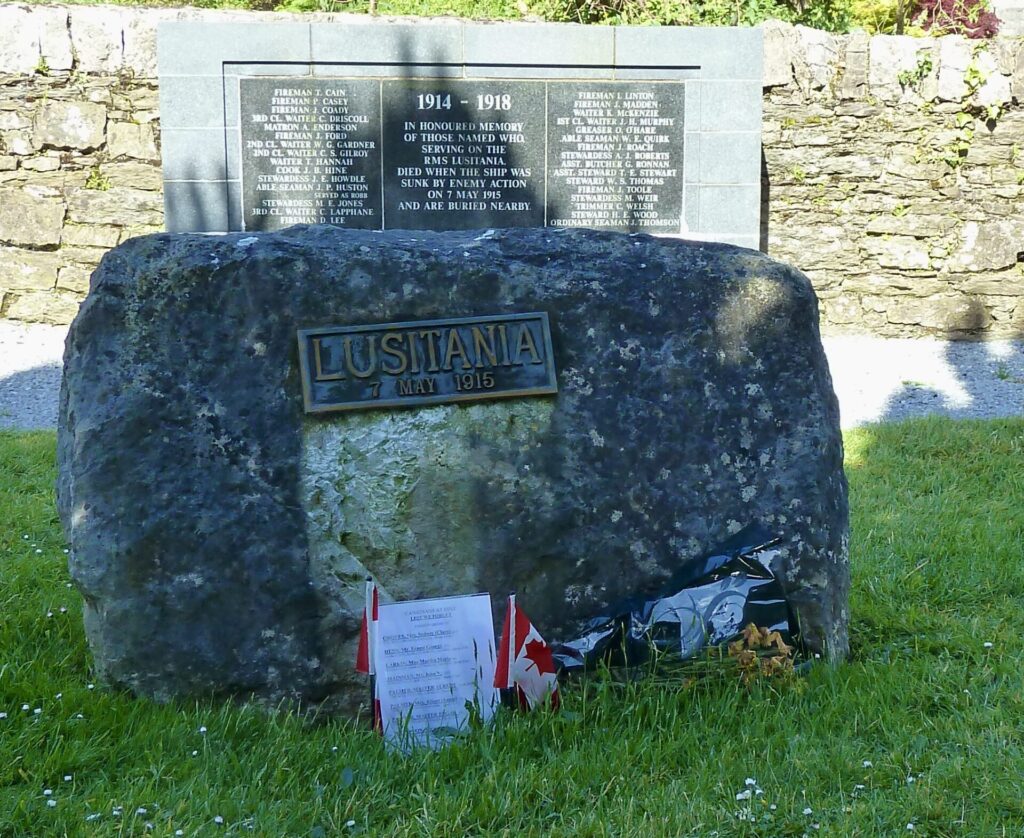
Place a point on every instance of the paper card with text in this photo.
(435, 661)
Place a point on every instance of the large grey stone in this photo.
(891, 55)
(28, 218)
(97, 38)
(116, 205)
(27, 270)
(815, 58)
(127, 139)
(19, 41)
(954, 59)
(54, 37)
(220, 536)
(55, 307)
(778, 60)
(989, 245)
(78, 125)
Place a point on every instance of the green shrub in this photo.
(662, 12)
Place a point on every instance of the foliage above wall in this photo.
(971, 18)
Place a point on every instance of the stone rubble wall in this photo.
(894, 177)
(893, 166)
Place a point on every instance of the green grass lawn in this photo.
(920, 733)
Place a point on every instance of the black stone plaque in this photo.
(310, 152)
(451, 154)
(615, 156)
(426, 362)
(463, 155)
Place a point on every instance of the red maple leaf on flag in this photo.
(539, 655)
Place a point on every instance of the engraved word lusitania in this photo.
(426, 362)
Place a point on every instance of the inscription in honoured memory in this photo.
(450, 154)
(463, 154)
(426, 362)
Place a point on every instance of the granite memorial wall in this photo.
(461, 126)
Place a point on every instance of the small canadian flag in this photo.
(524, 661)
(365, 656)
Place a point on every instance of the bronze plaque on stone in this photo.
(424, 362)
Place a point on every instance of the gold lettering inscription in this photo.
(394, 352)
(481, 347)
(526, 343)
(455, 347)
(428, 335)
(503, 334)
(371, 363)
(318, 366)
(414, 361)
(417, 386)
(426, 362)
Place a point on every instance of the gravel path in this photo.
(875, 378)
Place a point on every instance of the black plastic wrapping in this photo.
(706, 604)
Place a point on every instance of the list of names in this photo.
(450, 154)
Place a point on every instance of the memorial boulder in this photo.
(251, 424)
